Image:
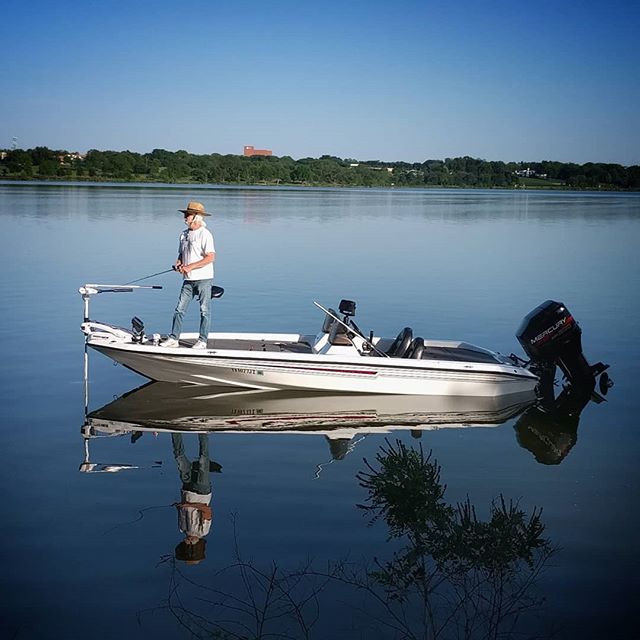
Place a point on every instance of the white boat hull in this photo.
(271, 371)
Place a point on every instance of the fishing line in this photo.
(141, 513)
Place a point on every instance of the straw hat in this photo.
(191, 553)
(195, 208)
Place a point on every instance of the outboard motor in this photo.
(550, 336)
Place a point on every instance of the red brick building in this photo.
(251, 151)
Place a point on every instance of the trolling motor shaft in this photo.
(89, 290)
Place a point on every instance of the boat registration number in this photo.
(254, 372)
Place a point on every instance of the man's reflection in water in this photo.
(194, 512)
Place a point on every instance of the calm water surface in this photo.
(302, 541)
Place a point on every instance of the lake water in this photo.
(302, 543)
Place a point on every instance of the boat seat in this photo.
(338, 335)
(401, 344)
(416, 349)
(328, 320)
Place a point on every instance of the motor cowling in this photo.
(550, 336)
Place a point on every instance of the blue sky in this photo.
(399, 80)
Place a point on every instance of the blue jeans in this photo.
(200, 289)
(194, 475)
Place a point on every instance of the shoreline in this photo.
(53, 182)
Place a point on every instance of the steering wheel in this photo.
(400, 345)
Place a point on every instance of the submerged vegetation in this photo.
(183, 167)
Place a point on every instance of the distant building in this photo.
(65, 158)
(252, 151)
(353, 165)
(529, 173)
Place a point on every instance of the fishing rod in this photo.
(216, 292)
(153, 275)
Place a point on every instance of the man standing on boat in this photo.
(196, 254)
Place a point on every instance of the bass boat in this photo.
(340, 357)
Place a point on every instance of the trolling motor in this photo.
(551, 337)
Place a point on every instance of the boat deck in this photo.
(458, 354)
(450, 354)
(254, 345)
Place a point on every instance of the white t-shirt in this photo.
(191, 520)
(192, 247)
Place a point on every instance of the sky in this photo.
(398, 80)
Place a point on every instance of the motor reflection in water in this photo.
(550, 434)
(549, 427)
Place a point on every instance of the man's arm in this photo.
(208, 259)
(205, 509)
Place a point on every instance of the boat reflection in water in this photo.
(547, 429)
(169, 407)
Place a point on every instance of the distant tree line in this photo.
(183, 167)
